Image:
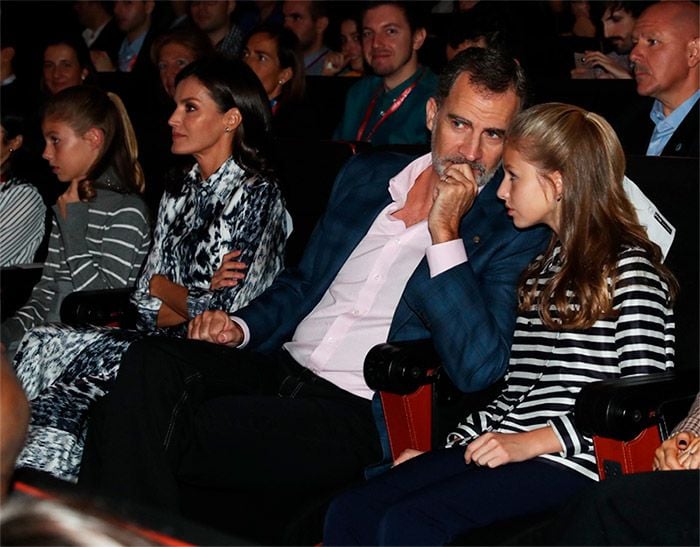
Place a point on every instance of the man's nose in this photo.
(470, 147)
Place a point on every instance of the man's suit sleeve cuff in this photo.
(443, 256)
(244, 328)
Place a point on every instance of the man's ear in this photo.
(95, 137)
(8, 53)
(231, 7)
(149, 5)
(693, 51)
(418, 38)
(431, 109)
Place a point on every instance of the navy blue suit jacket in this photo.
(469, 310)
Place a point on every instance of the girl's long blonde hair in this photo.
(596, 218)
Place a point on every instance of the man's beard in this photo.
(481, 175)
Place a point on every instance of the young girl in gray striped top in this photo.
(596, 305)
(100, 233)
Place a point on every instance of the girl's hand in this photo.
(494, 449)
(229, 273)
(69, 196)
(406, 455)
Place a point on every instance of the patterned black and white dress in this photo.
(64, 370)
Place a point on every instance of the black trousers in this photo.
(242, 441)
(659, 508)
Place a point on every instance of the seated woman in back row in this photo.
(219, 242)
(596, 305)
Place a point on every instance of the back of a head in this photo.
(48, 522)
(233, 84)
(84, 107)
(494, 70)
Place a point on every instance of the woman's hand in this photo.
(230, 272)
(406, 455)
(333, 63)
(667, 455)
(494, 449)
(69, 196)
(690, 457)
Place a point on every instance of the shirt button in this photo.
(356, 312)
(377, 277)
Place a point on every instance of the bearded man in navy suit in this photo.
(270, 406)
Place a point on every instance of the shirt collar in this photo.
(674, 119)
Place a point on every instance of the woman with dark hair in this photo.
(66, 63)
(596, 305)
(274, 55)
(218, 243)
(22, 209)
(349, 61)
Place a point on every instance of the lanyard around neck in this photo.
(393, 108)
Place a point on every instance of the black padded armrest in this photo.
(621, 408)
(98, 307)
(400, 367)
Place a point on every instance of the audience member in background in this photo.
(666, 58)
(180, 18)
(13, 91)
(595, 305)
(100, 29)
(170, 53)
(66, 64)
(274, 55)
(388, 106)
(349, 61)
(215, 19)
(173, 51)
(259, 13)
(477, 27)
(14, 410)
(618, 22)
(291, 419)
(219, 242)
(308, 19)
(22, 209)
(642, 508)
(134, 19)
(100, 233)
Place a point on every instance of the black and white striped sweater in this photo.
(548, 368)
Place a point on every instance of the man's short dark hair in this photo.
(411, 10)
(635, 9)
(491, 69)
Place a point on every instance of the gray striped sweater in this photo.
(548, 368)
(99, 245)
